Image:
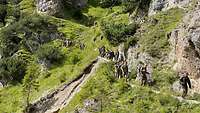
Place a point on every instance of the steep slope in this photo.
(185, 43)
(117, 95)
(62, 37)
(36, 31)
(58, 99)
(157, 43)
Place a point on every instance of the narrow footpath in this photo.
(60, 98)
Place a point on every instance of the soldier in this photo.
(138, 70)
(67, 43)
(118, 71)
(102, 51)
(101, 37)
(116, 66)
(149, 74)
(144, 75)
(110, 54)
(125, 69)
(116, 55)
(82, 46)
(185, 82)
(121, 57)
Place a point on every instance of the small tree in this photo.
(30, 82)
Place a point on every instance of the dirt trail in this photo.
(61, 97)
(176, 97)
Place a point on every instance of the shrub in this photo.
(3, 13)
(75, 59)
(49, 53)
(130, 5)
(117, 32)
(12, 69)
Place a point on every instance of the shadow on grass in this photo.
(77, 16)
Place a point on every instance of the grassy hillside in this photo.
(28, 37)
(74, 60)
(119, 96)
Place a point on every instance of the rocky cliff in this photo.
(55, 7)
(50, 7)
(163, 5)
(185, 42)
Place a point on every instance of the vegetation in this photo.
(154, 40)
(29, 40)
(30, 82)
(12, 69)
(49, 53)
(117, 33)
(126, 97)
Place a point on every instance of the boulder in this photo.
(50, 7)
(90, 106)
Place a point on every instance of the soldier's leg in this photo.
(116, 72)
(127, 76)
(145, 82)
(185, 90)
(119, 75)
(142, 82)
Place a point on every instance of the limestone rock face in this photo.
(55, 7)
(162, 5)
(50, 7)
(185, 42)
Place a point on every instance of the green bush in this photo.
(12, 69)
(117, 32)
(49, 53)
(3, 13)
(131, 5)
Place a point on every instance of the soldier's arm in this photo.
(189, 82)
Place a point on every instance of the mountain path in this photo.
(180, 99)
(65, 95)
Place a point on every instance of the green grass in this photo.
(27, 6)
(154, 40)
(11, 98)
(117, 96)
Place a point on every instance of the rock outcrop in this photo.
(55, 7)
(89, 106)
(185, 42)
(50, 7)
(163, 5)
